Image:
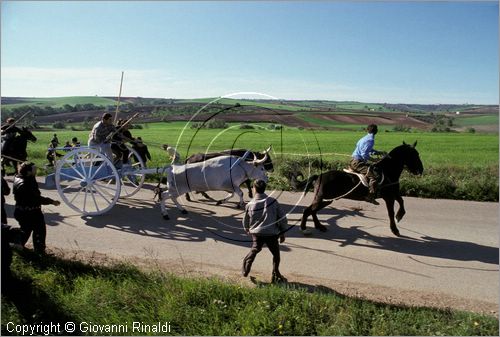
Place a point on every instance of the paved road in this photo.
(447, 256)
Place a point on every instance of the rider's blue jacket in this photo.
(364, 148)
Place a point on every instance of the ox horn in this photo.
(268, 149)
(260, 161)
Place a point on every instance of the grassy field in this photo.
(51, 289)
(57, 102)
(230, 101)
(476, 120)
(436, 149)
(456, 165)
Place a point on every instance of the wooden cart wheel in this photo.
(131, 177)
(87, 181)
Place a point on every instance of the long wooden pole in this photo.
(121, 126)
(16, 121)
(119, 96)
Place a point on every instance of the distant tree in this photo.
(246, 126)
(59, 125)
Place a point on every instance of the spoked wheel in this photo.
(131, 177)
(87, 181)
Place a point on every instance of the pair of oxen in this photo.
(221, 171)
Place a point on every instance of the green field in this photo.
(436, 149)
(230, 101)
(456, 165)
(476, 120)
(57, 102)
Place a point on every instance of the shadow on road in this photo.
(420, 246)
(205, 221)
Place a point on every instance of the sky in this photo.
(380, 52)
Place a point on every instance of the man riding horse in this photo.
(9, 132)
(360, 161)
(14, 143)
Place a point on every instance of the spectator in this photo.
(28, 210)
(266, 223)
(52, 154)
(174, 156)
(75, 142)
(55, 141)
(67, 147)
(5, 191)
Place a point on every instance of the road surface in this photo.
(447, 256)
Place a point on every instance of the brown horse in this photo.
(333, 185)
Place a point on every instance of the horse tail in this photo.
(304, 185)
(310, 183)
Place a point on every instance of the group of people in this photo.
(263, 218)
(111, 139)
(52, 154)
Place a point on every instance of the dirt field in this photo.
(390, 119)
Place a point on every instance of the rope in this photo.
(314, 154)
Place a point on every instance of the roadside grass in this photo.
(52, 289)
(456, 165)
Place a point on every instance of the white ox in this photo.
(225, 173)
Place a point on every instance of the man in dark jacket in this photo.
(9, 132)
(142, 150)
(28, 210)
(5, 191)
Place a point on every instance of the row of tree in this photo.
(49, 110)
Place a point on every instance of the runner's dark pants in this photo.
(272, 244)
(32, 221)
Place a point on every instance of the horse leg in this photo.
(390, 210)
(314, 210)
(401, 211)
(303, 222)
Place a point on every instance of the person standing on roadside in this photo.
(28, 209)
